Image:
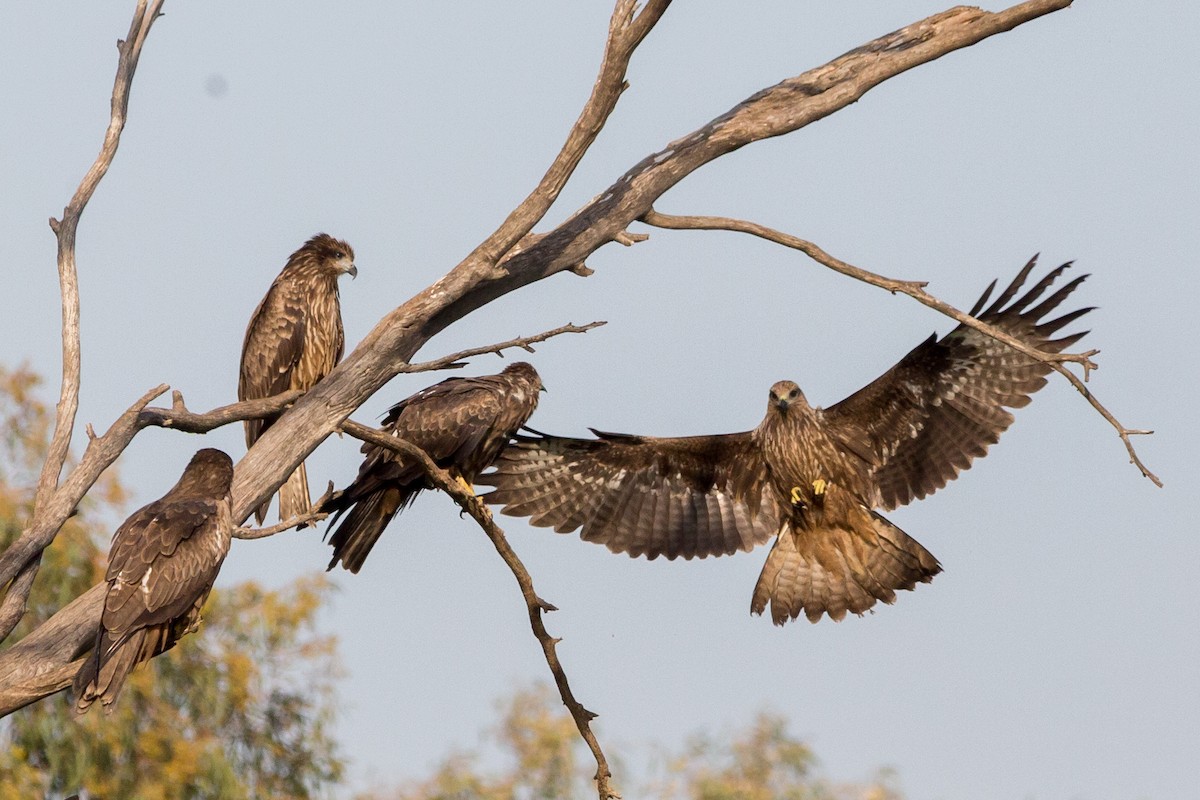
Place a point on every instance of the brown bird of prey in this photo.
(812, 477)
(161, 566)
(462, 423)
(294, 340)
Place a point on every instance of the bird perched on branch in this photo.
(161, 567)
(462, 423)
(811, 477)
(294, 340)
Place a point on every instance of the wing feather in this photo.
(925, 420)
(683, 497)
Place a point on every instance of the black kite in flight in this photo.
(811, 476)
(462, 423)
(161, 566)
(294, 340)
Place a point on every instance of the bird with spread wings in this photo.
(295, 339)
(161, 567)
(462, 423)
(811, 477)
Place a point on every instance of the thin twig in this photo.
(535, 605)
(915, 290)
(298, 521)
(454, 360)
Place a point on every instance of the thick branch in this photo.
(915, 290)
(535, 605)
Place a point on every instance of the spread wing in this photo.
(683, 497)
(272, 348)
(163, 558)
(929, 416)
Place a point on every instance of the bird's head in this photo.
(330, 254)
(784, 395)
(525, 371)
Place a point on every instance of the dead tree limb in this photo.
(534, 605)
(16, 595)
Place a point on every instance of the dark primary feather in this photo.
(161, 566)
(924, 420)
(462, 423)
(812, 477)
(293, 340)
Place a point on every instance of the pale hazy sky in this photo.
(1057, 655)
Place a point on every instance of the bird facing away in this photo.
(462, 423)
(812, 477)
(294, 340)
(161, 566)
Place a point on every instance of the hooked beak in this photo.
(352, 272)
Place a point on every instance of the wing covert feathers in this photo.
(161, 568)
(928, 417)
(689, 497)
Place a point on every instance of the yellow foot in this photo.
(797, 497)
(818, 487)
(463, 483)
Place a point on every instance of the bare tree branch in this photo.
(298, 521)
(915, 290)
(625, 33)
(179, 418)
(16, 594)
(130, 50)
(454, 360)
(535, 605)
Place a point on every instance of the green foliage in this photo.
(544, 758)
(539, 740)
(241, 709)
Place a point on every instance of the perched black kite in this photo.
(294, 340)
(462, 423)
(812, 476)
(161, 566)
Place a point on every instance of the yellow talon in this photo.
(818, 487)
(797, 498)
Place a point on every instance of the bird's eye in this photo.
(794, 393)
(338, 254)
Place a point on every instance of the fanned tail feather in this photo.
(834, 570)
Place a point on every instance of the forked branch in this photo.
(535, 605)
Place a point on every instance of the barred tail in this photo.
(835, 570)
